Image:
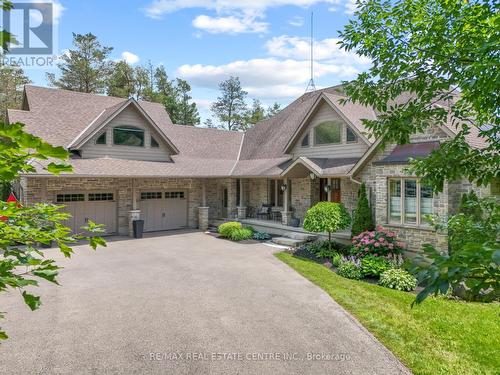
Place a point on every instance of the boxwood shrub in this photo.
(240, 234)
(226, 228)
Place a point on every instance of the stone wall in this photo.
(45, 190)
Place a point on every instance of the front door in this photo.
(335, 190)
(225, 199)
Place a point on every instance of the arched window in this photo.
(128, 136)
(328, 132)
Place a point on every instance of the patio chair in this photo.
(264, 211)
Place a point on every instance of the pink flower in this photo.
(366, 249)
(377, 244)
(391, 246)
(372, 234)
(381, 239)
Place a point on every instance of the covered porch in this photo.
(279, 203)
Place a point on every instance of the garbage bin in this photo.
(138, 227)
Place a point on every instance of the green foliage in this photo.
(441, 336)
(230, 107)
(27, 229)
(12, 79)
(226, 228)
(473, 261)
(240, 234)
(374, 266)
(399, 279)
(261, 236)
(469, 206)
(86, 68)
(419, 79)
(336, 259)
(326, 217)
(363, 220)
(326, 249)
(350, 270)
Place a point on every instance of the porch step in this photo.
(304, 237)
(285, 241)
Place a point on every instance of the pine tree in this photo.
(121, 83)
(255, 114)
(363, 219)
(187, 113)
(12, 80)
(230, 107)
(85, 68)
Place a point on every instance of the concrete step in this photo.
(305, 237)
(285, 241)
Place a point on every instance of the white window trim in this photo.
(418, 222)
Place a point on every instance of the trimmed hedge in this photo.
(226, 229)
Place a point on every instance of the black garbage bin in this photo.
(138, 227)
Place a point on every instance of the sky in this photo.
(263, 42)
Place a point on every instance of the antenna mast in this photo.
(311, 86)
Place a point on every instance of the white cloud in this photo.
(299, 48)
(57, 11)
(265, 78)
(296, 21)
(130, 57)
(230, 24)
(158, 8)
(203, 104)
(350, 6)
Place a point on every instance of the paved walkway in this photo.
(185, 303)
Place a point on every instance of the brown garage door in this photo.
(99, 207)
(163, 210)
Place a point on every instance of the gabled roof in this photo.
(351, 113)
(322, 167)
(109, 114)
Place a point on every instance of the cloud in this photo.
(130, 57)
(57, 11)
(299, 48)
(350, 7)
(158, 8)
(296, 21)
(230, 24)
(265, 78)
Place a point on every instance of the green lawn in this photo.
(437, 337)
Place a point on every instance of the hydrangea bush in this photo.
(380, 242)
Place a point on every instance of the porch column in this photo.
(242, 209)
(203, 209)
(286, 214)
(134, 213)
(329, 190)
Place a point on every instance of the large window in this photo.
(275, 193)
(409, 201)
(128, 136)
(328, 132)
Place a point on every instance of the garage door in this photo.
(163, 210)
(99, 207)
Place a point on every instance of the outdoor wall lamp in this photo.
(283, 187)
(312, 175)
(327, 188)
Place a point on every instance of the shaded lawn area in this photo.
(439, 336)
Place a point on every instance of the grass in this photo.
(439, 336)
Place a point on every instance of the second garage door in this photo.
(163, 210)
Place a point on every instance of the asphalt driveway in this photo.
(185, 303)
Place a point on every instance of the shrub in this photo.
(380, 242)
(226, 228)
(240, 234)
(363, 220)
(336, 260)
(350, 269)
(471, 267)
(324, 249)
(261, 236)
(326, 217)
(374, 266)
(399, 279)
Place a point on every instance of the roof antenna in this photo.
(311, 86)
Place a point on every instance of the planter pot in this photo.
(294, 222)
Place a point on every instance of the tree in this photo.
(230, 107)
(12, 80)
(121, 83)
(363, 219)
(85, 68)
(326, 217)
(187, 113)
(208, 123)
(273, 110)
(253, 115)
(432, 62)
(142, 83)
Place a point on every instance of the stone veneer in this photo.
(45, 190)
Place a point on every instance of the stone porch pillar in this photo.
(203, 218)
(242, 209)
(286, 214)
(132, 215)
